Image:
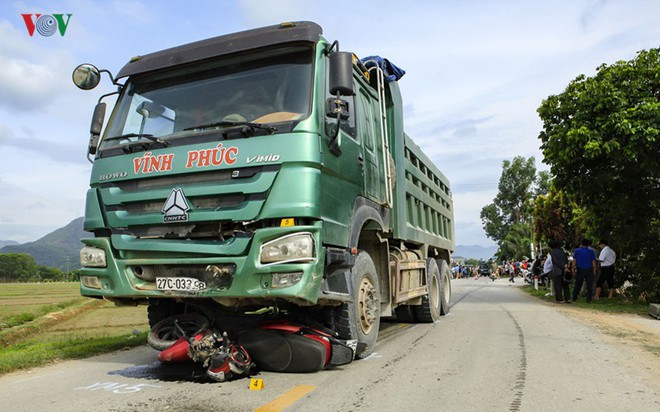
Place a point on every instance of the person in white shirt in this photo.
(547, 265)
(606, 258)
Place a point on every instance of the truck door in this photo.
(369, 132)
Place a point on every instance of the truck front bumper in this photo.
(229, 276)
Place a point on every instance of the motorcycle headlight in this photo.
(92, 257)
(298, 247)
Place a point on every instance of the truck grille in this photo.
(219, 202)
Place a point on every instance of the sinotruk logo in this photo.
(46, 24)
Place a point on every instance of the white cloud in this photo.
(467, 206)
(476, 73)
(266, 12)
(134, 10)
(27, 215)
(28, 81)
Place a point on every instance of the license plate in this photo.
(180, 284)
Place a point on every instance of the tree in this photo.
(516, 244)
(557, 217)
(601, 140)
(543, 183)
(515, 189)
(50, 274)
(508, 219)
(15, 266)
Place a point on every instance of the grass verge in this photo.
(614, 305)
(32, 353)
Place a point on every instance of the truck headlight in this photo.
(91, 256)
(283, 280)
(298, 247)
(91, 282)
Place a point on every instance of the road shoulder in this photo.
(637, 337)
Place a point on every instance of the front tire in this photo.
(164, 333)
(360, 320)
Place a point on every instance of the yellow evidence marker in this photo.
(256, 384)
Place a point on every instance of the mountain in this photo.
(7, 243)
(475, 252)
(58, 249)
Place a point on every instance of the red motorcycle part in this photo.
(337, 352)
(179, 351)
(278, 351)
(219, 369)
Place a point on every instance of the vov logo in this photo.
(46, 24)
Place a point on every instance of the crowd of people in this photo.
(585, 265)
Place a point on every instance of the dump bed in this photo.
(422, 202)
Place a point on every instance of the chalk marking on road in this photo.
(374, 355)
(116, 387)
(286, 399)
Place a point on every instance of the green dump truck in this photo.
(264, 169)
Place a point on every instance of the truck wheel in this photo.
(445, 288)
(164, 333)
(429, 310)
(360, 320)
(160, 309)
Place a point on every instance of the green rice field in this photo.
(46, 322)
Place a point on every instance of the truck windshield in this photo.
(264, 89)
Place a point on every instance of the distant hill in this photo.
(475, 252)
(55, 248)
(7, 243)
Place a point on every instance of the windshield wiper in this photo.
(145, 135)
(268, 128)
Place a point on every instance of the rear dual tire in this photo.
(437, 299)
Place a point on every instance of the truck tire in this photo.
(360, 320)
(445, 288)
(430, 309)
(159, 309)
(164, 333)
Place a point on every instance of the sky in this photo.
(476, 73)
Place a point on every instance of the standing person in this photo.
(512, 272)
(536, 266)
(584, 269)
(559, 262)
(547, 270)
(593, 249)
(606, 258)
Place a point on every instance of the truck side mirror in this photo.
(86, 76)
(95, 127)
(341, 74)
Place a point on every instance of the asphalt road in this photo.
(498, 350)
